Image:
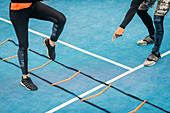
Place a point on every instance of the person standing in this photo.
(162, 9)
(141, 7)
(20, 13)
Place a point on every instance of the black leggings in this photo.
(20, 19)
(147, 20)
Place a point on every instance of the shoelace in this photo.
(29, 82)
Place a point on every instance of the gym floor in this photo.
(86, 45)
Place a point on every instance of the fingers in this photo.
(114, 37)
(119, 32)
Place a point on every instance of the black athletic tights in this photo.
(20, 19)
(147, 20)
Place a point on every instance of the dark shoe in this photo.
(28, 84)
(146, 41)
(50, 49)
(152, 59)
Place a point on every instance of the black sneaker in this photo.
(28, 84)
(152, 59)
(146, 41)
(50, 49)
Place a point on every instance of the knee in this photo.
(158, 21)
(59, 19)
(62, 20)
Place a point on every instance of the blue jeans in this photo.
(158, 21)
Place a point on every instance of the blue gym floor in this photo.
(90, 26)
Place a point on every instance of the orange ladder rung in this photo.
(138, 107)
(4, 41)
(40, 66)
(9, 58)
(66, 79)
(96, 94)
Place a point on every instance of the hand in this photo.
(119, 32)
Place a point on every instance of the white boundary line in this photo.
(76, 48)
(94, 55)
(100, 86)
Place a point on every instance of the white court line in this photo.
(100, 86)
(76, 48)
(94, 55)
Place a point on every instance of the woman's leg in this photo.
(20, 20)
(162, 9)
(155, 55)
(158, 21)
(44, 12)
(147, 20)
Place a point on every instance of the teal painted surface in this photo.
(90, 25)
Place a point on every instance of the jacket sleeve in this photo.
(131, 12)
(24, 1)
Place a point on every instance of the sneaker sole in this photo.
(141, 44)
(46, 47)
(150, 64)
(24, 86)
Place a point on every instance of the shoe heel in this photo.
(46, 47)
(44, 41)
